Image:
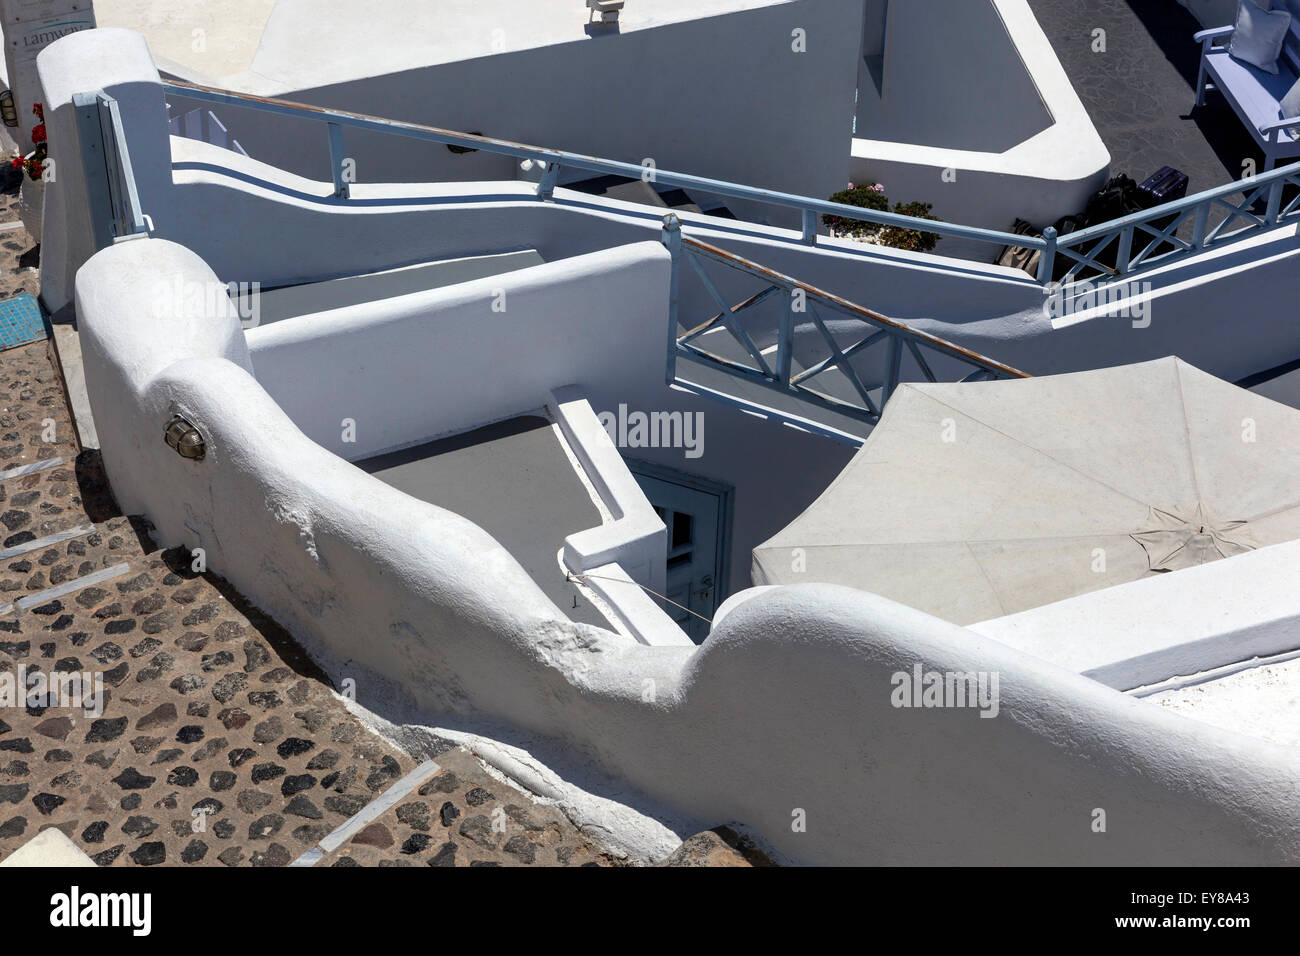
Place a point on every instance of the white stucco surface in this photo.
(311, 43)
(1262, 701)
(1167, 626)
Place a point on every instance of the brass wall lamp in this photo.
(185, 438)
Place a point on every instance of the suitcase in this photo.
(1165, 185)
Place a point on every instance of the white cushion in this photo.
(1258, 35)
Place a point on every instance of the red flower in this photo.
(38, 133)
(18, 162)
(38, 110)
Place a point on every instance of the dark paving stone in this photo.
(150, 854)
(47, 803)
(376, 834)
(95, 832)
(301, 806)
(132, 779)
(274, 855)
(139, 827)
(416, 843)
(446, 856)
(414, 815)
(297, 783)
(448, 814)
(105, 730)
(265, 826)
(293, 746)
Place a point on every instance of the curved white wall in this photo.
(785, 711)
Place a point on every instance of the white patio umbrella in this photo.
(978, 500)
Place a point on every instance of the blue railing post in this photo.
(1274, 201)
(1125, 251)
(550, 176)
(1047, 260)
(810, 227)
(894, 371)
(785, 341)
(337, 159)
(1201, 225)
(672, 239)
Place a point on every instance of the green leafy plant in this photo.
(873, 197)
(914, 240)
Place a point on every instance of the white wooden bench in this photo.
(1253, 93)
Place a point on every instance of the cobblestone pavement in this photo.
(17, 254)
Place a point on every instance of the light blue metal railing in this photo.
(1147, 238)
(554, 160)
(1104, 251)
(110, 182)
(777, 366)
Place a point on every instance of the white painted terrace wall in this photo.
(786, 707)
(1173, 625)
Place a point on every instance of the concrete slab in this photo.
(515, 481)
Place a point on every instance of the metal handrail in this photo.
(1267, 186)
(1121, 231)
(556, 158)
(779, 373)
(110, 179)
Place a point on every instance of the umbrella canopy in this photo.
(979, 500)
